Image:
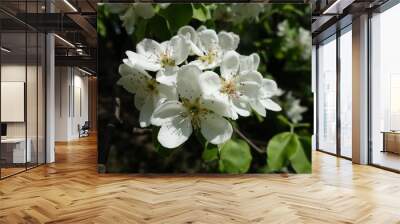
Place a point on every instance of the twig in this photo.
(254, 146)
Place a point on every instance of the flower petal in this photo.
(241, 107)
(249, 90)
(230, 65)
(165, 112)
(219, 104)
(188, 85)
(180, 49)
(140, 98)
(176, 132)
(228, 41)
(184, 30)
(210, 82)
(144, 10)
(132, 79)
(208, 39)
(215, 128)
(269, 88)
(167, 76)
(141, 62)
(251, 76)
(167, 92)
(270, 105)
(150, 49)
(249, 63)
(258, 107)
(146, 112)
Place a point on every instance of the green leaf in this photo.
(201, 12)
(235, 157)
(177, 15)
(306, 143)
(280, 148)
(158, 28)
(210, 152)
(299, 160)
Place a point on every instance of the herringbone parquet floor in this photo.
(71, 191)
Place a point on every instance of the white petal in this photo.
(258, 107)
(270, 105)
(146, 112)
(249, 63)
(180, 49)
(188, 85)
(176, 132)
(208, 39)
(150, 49)
(256, 61)
(251, 76)
(219, 104)
(166, 112)
(203, 65)
(140, 98)
(228, 41)
(201, 28)
(249, 90)
(132, 79)
(144, 10)
(167, 92)
(215, 128)
(184, 30)
(210, 82)
(230, 64)
(167, 76)
(141, 62)
(269, 88)
(242, 108)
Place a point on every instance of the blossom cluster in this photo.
(195, 82)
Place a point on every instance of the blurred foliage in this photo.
(279, 33)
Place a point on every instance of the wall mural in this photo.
(204, 88)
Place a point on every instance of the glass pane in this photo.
(41, 98)
(14, 152)
(346, 94)
(385, 84)
(32, 98)
(327, 96)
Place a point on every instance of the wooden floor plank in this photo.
(71, 191)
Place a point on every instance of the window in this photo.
(327, 95)
(346, 92)
(385, 89)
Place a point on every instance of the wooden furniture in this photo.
(391, 141)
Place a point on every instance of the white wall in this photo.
(71, 87)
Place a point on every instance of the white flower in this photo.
(162, 58)
(263, 100)
(295, 110)
(129, 13)
(178, 119)
(148, 92)
(208, 46)
(236, 86)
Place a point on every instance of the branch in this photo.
(254, 146)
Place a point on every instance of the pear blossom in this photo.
(162, 58)
(294, 110)
(148, 92)
(178, 119)
(208, 45)
(182, 99)
(237, 86)
(129, 14)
